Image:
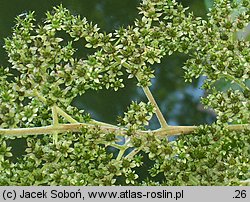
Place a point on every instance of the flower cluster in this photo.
(137, 116)
(219, 54)
(45, 75)
(211, 156)
(230, 106)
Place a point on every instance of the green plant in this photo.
(65, 146)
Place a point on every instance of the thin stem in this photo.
(122, 150)
(117, 146)
(66, 116)
(39, 96)
(120, 154)
(54, 115)
(159, 115)
(72, 120)
(134, 152)
(55, 123)
(240, 83)
(99, 123)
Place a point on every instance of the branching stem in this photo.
(76, 127)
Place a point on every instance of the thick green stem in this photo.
(174, 130)
(76, 127)
(60, 128)
(181, 130)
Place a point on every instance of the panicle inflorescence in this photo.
(45, 76)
